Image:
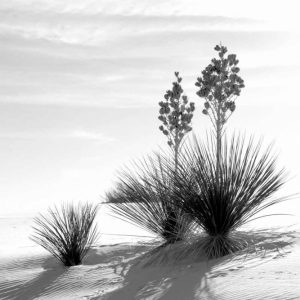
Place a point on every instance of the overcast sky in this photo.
(80, 82)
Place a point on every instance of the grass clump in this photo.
(220, 202)
(146, 199)
(68, 233)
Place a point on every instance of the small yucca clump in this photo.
(146, 200)
(247, 181)
(68, 233)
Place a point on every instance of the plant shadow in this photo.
(164, 273)
(41, 272)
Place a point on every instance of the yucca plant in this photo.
(219, 86)
(246, 184)
(68, 233)
(146, 200)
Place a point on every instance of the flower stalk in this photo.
(219, 86)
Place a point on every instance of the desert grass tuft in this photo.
(68, 233)
(247, 184)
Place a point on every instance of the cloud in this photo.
(88, 135)
(95, 53)
(154, 8)
(98, 28)
(73, 135)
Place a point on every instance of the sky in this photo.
(80, 83)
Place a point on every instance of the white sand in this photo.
(116, 270)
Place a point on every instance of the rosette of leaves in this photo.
(175, 113)
(67, 233)
(145, 198)
(249, 182)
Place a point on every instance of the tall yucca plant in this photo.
(146, 200)
(247, 181)
(68, 233)
(176, 114)
(219, 86)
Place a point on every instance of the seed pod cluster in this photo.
(220, 84)
(175, 113)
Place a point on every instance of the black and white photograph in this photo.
(149, 150)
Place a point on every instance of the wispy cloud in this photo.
(154, 8)
(88, 135)
(72, 135)
(98, 29)
(107, 53)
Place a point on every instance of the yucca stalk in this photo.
(247, 183)
(219, 86)
(175, 113)
(68, 233)
(146, 200)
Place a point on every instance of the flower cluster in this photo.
(175, 113)
(219, 85)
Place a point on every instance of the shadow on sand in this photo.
(140, 271)
(44, 270)
(33, 277)
(157, 275)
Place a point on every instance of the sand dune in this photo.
(271, 270)
(44, 278)
(120, 266)
(268, 271)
